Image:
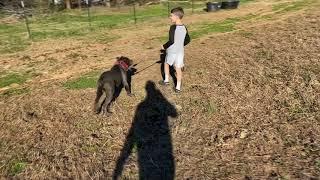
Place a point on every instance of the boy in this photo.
(178, 38)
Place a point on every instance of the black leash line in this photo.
(157, 62)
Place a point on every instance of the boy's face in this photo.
(173, 18)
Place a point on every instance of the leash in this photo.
(157, 62)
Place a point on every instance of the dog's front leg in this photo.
(125, 82)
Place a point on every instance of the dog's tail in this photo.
(97, 102)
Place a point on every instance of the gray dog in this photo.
(111, 82)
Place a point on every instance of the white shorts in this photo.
(175, 59)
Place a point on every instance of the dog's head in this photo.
(128, 62)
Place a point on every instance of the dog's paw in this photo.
(106, 114)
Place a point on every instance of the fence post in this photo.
(89, 17)
(118, 4)
(168, 8)
(26, 18)
(134, 13)
(192, 4)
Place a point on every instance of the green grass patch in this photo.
(184, 5)
(290, 6)
(265, 17)
(18, 28)
(14, 92)
(12, 78)
(17, 167)
(318, 164)
(70, 24)
(227, 25)
(277, 7)
(13, 43)
(246, 1)
(151, 12)
(74, 23)
(86, 81)
(40, 35)
(296, 6)
(217, 27)
(211, 108)
(90, 148)
(13, 38)
(163, 39)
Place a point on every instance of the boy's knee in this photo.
(178, 69)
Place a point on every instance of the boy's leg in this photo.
(166, 72)
(179, 78)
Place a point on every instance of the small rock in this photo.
(4, 89)
(14, 85)
(178, 107)
(243, 134)
(6, 66)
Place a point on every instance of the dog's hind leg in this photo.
(99, 99)
(107, 102)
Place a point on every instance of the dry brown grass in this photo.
(249, 109)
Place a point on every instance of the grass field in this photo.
(249, 107)
(75, 23)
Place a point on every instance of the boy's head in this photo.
(176, 14)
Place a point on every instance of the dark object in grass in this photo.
(213, 6)
(230, 4)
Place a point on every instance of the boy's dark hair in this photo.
(178, 11)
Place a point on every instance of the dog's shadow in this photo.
(172, 70)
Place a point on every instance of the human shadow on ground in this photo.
(150, 136)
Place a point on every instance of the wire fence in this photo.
(52, 22)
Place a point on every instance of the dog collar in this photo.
(123, 65)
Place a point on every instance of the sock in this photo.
(178, 85)
(166, 79)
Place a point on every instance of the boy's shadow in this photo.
(150, 136)
(172, 70)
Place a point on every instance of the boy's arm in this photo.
(187, 38)
(171, 37)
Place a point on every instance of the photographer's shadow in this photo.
(151, 137)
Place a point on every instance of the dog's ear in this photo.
(130, 62)
(127, 61)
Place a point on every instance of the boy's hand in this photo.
(162, 48)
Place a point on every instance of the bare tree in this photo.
(68, 4)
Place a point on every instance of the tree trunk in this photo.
(68, 4)
(79, 4)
